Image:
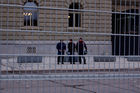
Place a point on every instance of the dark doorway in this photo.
(125, 28)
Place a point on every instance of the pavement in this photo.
(71, 86)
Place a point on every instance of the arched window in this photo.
(74, 16)
(30, 14)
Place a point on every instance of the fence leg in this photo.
(0, 66)
(139, 32)
(0, 73)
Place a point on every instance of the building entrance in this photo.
(125, 39)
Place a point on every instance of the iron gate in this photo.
(37, 54)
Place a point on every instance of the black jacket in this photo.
(61, 47)
(81, 47)
(71, 47)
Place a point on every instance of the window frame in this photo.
(74, 16)
(27, 12)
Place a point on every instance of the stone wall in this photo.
(96, 18)
(49, 47)
(53, 26)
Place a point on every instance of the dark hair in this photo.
(70, 39)
(81, 38)
(61, 39)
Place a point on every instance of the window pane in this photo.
(77, 20)
(34, 18)
(26, 20)
(75, 6)
(30, 4)
(70, 20)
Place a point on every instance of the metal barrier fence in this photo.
(69, 46)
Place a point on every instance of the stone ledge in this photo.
(104, 59)
(132, 59)
(38, 59)
(42, 42)
(29, 59)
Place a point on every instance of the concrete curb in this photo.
(67, 70)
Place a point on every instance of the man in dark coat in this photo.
(71, 50)
(81, 48)
(61, 47)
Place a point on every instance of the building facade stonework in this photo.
(53, 19)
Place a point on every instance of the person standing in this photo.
(61, 47)
(71, 50)
(81, 49)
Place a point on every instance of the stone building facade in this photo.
(40, 24)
